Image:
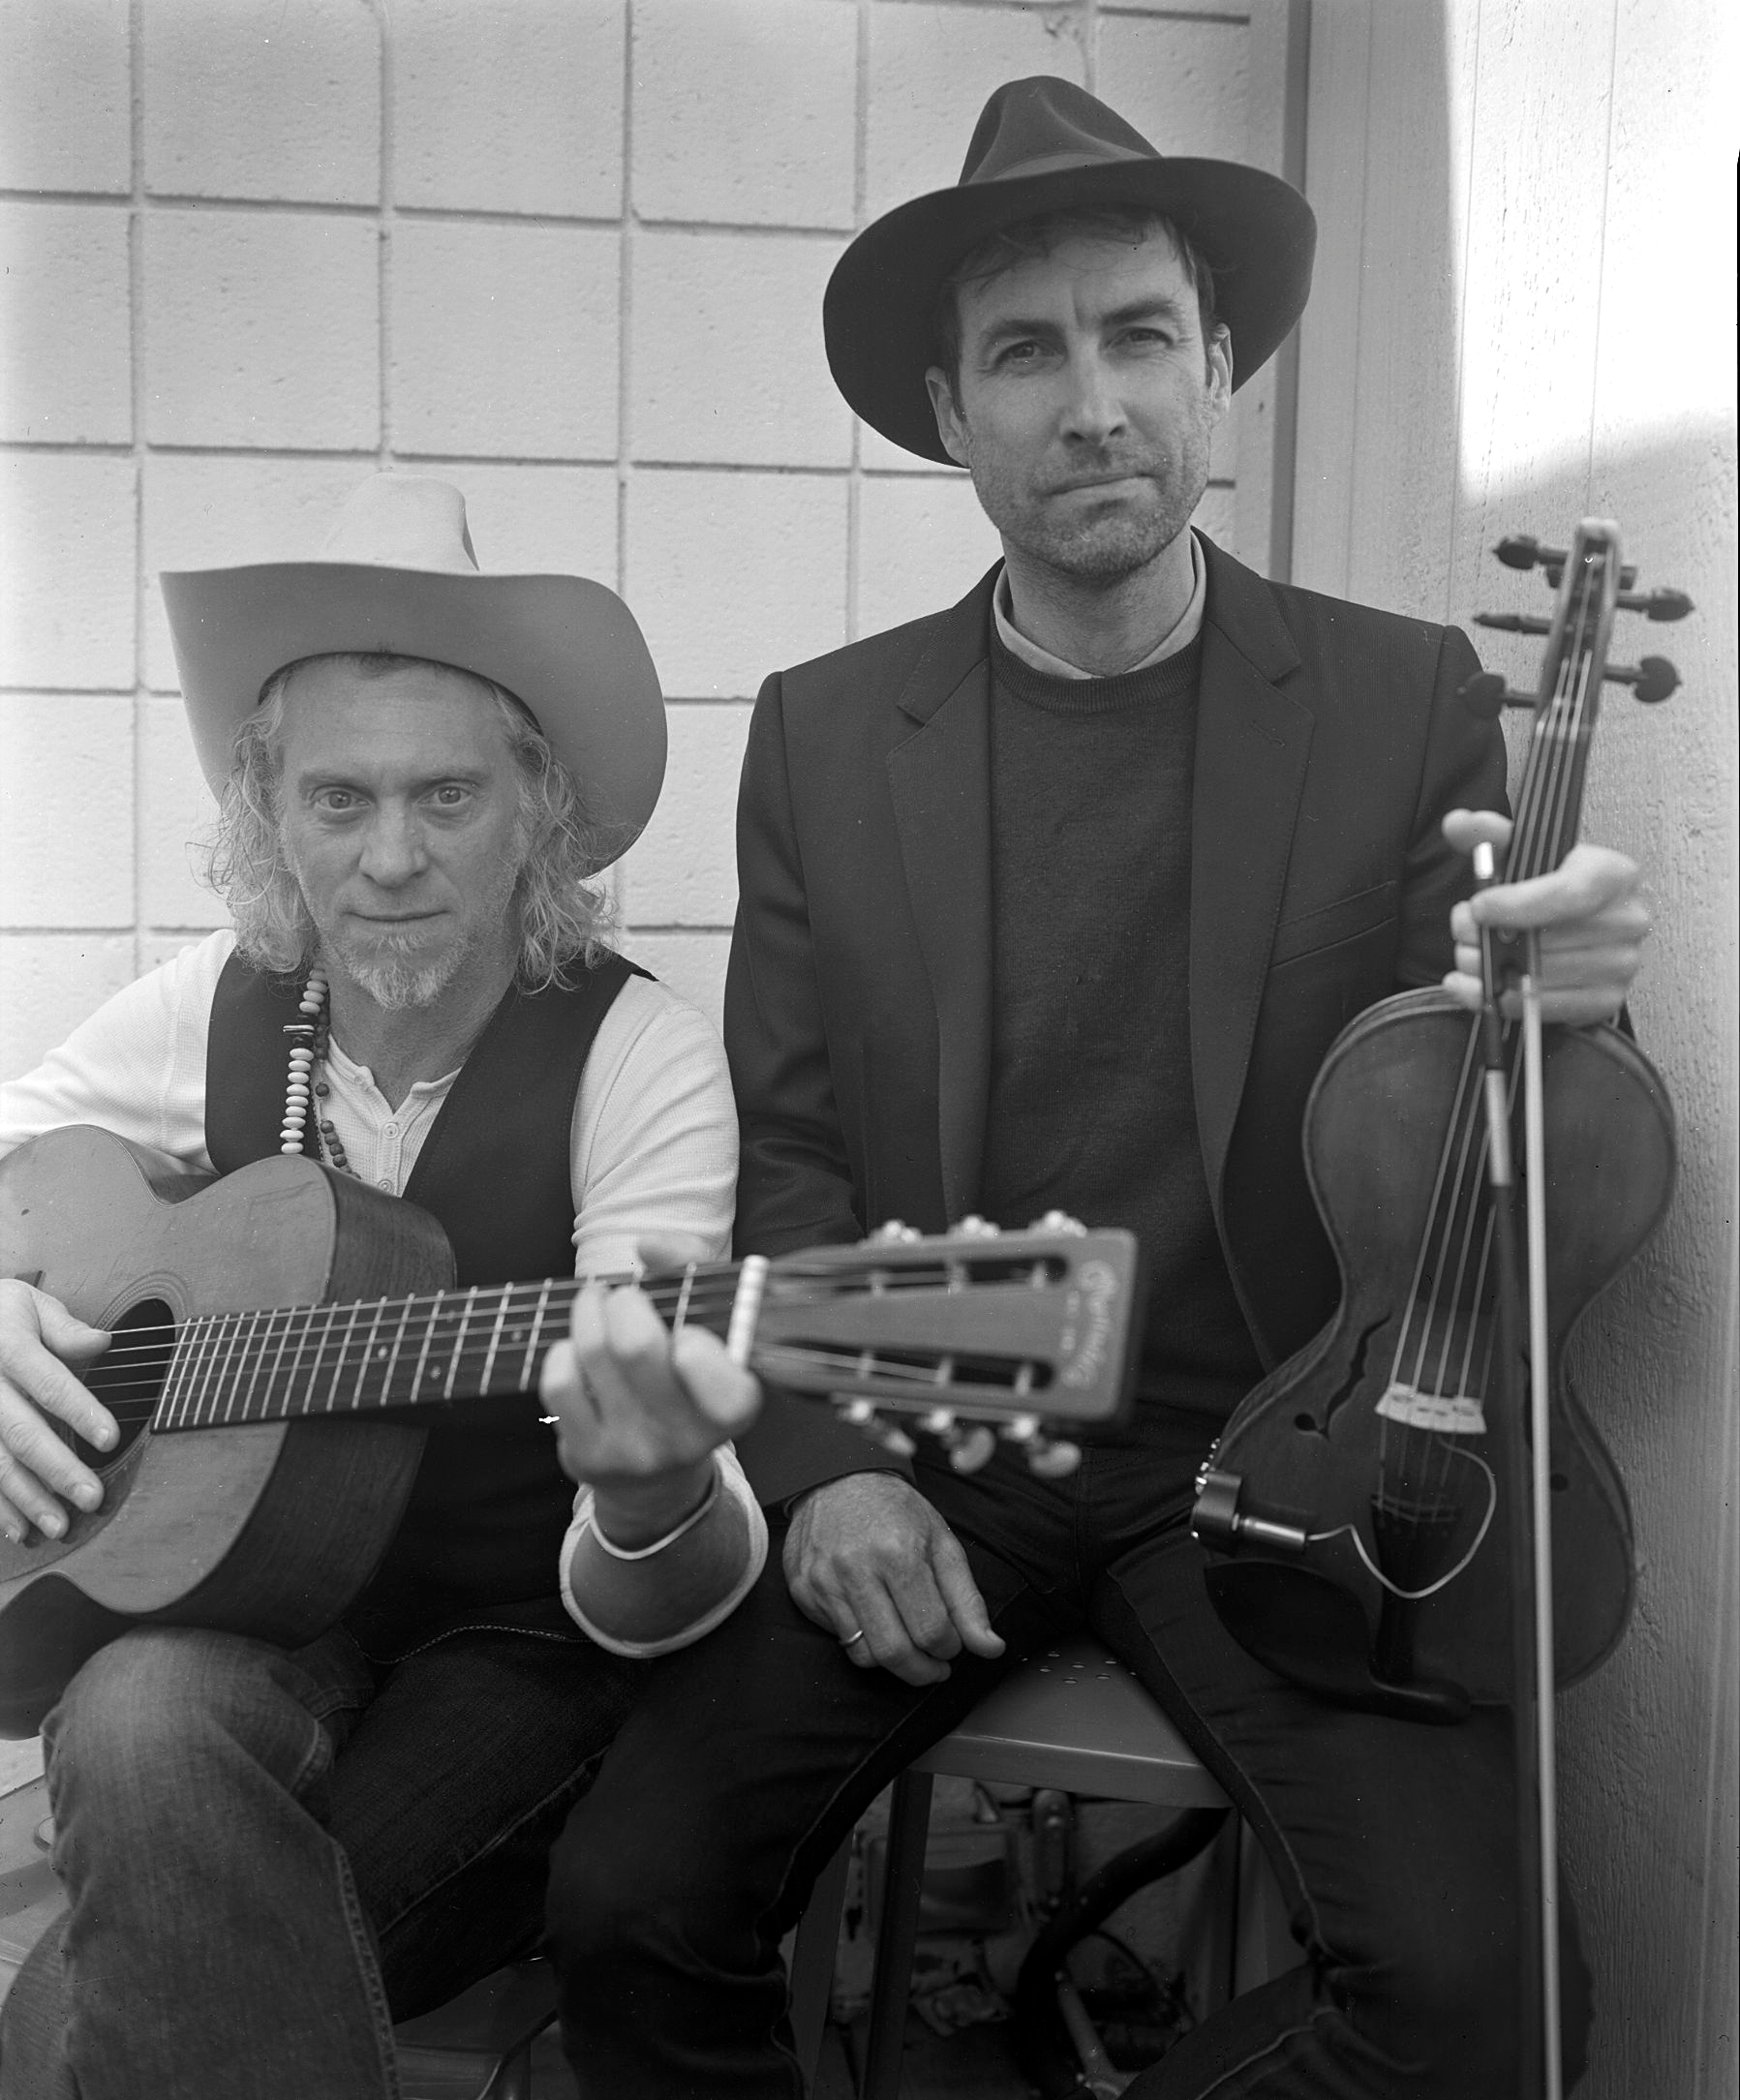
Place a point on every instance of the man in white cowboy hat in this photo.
(1058, 899)
(270, 1855)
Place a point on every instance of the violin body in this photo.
(1317, 1449)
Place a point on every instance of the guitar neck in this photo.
(284, 1362)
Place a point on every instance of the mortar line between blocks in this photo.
(385, 221)
(136, 374)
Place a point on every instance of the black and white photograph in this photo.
(869, 1049)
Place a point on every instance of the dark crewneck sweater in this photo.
(1091, 1107)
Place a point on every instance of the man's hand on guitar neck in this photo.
(638, 1411)
(39, 1470)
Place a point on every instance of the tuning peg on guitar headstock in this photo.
(970, 1445)
(974, 1226)
(1050, 1458)
(1651, 679)
(895, 1233)
(862, 1416)
(1058, 1221)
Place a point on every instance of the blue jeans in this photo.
(269, 1857)
(747, 1757)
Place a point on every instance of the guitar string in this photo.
(711, 1289)
(147, 1342)
(462, 1348)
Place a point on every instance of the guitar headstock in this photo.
(969, 1335)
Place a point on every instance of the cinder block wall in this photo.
(568, 253)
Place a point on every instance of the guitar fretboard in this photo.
(282, 1362)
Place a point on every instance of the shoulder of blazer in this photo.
(913, 667)
(1282, 628)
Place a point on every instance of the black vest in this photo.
(490, 1505)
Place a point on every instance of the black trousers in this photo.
(748, 1757)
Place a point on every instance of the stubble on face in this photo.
(383, 964)
(398, 732)
(1035, 485)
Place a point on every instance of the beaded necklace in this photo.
(309, 1036)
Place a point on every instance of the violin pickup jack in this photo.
(1218, 1522)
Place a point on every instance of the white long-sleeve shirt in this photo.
(651, 1144)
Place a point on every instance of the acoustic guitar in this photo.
(280, 1336)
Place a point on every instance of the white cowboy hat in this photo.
(397, 574)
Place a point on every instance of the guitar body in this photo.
(268, 1529)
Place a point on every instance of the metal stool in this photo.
(1075, 1718)
(478, 2046)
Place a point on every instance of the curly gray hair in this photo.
(564, 917)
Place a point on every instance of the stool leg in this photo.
(812, 1961)
(896, 1933)
(513, 2081)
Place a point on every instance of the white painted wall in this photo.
(1525, 313)
(568, 253)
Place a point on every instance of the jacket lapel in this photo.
(940, 779)
(1252, 744)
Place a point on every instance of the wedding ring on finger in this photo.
(852, 1639)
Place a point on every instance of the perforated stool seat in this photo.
(1075, 1718)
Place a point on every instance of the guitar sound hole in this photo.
(129, 1375)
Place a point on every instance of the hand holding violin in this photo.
(1593, 924)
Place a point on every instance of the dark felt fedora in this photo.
(1045, 146)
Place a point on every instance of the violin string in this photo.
(1404, 1451)
(1352, 1531)
(1540, 840)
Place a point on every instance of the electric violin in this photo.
(1414, 1515)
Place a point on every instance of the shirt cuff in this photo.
(651, 1600)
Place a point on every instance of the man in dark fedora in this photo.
(1057, 899)
(271, 1848)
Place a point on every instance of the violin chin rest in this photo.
(1313, 1632)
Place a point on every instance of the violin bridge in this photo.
(1451, 1413)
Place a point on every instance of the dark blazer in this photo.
(1330, 743)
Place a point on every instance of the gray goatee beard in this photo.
(397, 985)
(394, 982)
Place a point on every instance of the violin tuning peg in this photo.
(1513, 622)
(1651, 679)
(970, 1449)
(1059, 1221)
(1487, 695)
(1658, 605)
(1519, 550)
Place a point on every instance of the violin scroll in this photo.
(1652, 678)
